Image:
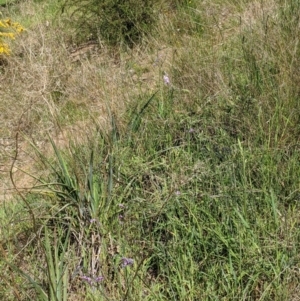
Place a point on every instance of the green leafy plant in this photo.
(57, 265)
(56, 248)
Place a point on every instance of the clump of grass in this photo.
(116, 22)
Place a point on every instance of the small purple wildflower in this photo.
(92, 281)
(87, 279)
(166, 79)
(93, 220)
(126, 262)
(98, 279)
(191, 130)
(178, 192)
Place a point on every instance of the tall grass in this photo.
(189, 189)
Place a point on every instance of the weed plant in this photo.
(189, 189)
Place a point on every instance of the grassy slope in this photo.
(198, 181)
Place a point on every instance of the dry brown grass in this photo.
(52, 86)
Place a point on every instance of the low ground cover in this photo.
(162, 169)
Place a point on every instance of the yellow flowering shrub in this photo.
(8, 29)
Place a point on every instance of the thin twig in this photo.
(14, 183)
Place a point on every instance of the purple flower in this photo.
(98, 279)
(87, 279)
(126, 262)
(166, 79)
(92, 281)
(191, 130)
(93, 220)
(178, 192)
